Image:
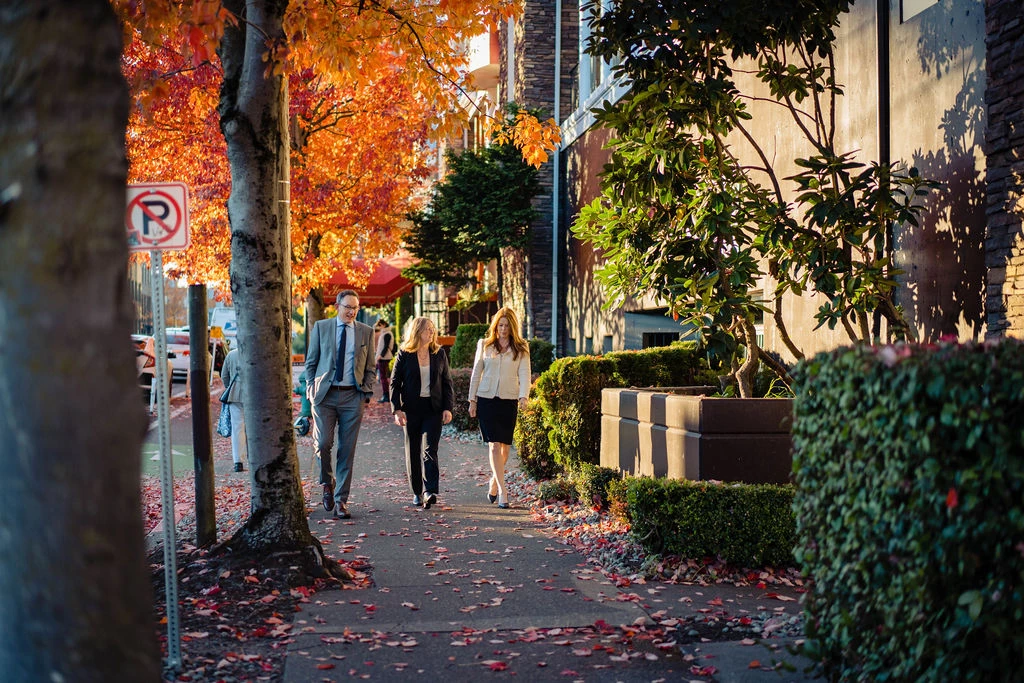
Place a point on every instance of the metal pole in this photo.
(166, 469)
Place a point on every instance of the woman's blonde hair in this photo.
(519, 345)
(412, 341)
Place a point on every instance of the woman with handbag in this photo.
(422, 399)
(233, 399)
(498, 388)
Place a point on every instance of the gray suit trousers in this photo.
(342, 410)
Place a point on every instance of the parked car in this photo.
(178, 342)
(145, 361)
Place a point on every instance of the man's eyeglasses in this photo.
(350, 308)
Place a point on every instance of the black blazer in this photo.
(405, 382)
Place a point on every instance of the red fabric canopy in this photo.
(386, 282)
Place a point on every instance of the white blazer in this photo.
(498, 375)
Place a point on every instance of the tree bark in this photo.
(254, 122)
(75, 595)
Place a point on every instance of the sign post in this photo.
(157, 220)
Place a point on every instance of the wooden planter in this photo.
(665, 433)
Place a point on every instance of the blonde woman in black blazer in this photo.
(422, 399)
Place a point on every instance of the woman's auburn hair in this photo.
(519, 345)
(412, 342)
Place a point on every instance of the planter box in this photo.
(666, 433)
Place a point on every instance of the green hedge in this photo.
(464, 349)
(747, 525)
(909, 463)
(570, 393)
(542, 353)
(531, 442)
(460, 416)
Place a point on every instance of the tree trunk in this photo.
(75, 596)
(202, 428)
(254, 122)
(747, 370)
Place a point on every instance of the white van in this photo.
(224, 318)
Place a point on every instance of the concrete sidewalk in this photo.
(466, 589)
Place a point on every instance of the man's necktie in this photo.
(339, 372)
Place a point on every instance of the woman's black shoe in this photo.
(491, 498)
(429, 500)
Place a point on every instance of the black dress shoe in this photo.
(239, 467)
(429, 500)
(342, 512)
(417, 501)
(328, 497)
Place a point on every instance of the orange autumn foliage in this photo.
(371, 86)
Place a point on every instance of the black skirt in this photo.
(497, 418)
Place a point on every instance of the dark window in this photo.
(653, 339)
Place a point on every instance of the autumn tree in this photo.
(75, 599)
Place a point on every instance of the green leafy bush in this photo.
(909, 467)
(531, 440)
(617, 504)
(542, 353)
(592, 483)
(556, 489)
(748, 525)
(460, 416)
(464, 349)
(570, 393)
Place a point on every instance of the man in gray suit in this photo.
(339, 392)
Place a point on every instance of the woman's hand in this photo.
(522, 403)
(446, 417)
(472, 408)
(400, 418)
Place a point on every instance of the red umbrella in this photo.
(386, 282)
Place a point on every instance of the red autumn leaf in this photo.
(325, 666)
(952, 500)
(498, 666)
(755, 664)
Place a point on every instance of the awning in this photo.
(386, 283)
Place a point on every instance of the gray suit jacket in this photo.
(320, 357)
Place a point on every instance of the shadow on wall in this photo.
(946, 275)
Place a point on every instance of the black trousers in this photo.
(421, 459)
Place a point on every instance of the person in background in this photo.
(383, 356)
(229, 373)
(422, 399)
(498, 388)
(339, 383)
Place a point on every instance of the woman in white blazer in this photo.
(498, 387)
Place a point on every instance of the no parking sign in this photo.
(157, 217)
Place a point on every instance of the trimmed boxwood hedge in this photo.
(747, 525)
(460, 416)
(464, 348)
(909, 465)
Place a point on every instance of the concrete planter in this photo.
(666, 433)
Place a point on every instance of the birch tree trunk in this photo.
(254, 119)
(75, 596)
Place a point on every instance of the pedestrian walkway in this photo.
(466, 589)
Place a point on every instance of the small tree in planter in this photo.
(681, 216)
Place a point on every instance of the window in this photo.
(588, 346)
(655, 339)
(606, 344)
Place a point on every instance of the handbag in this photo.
(224, 421)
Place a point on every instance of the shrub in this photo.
(748, 525)
(531, 442)
(617, 506)
(909, 466)
(464, 349)
(460, 416)
(592, 483)
(542, 353)
(556, 489)
(570, 393)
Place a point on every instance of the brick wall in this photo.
(1004, 142)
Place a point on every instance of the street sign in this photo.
(157, 217)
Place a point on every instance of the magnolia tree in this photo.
(681, 215)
